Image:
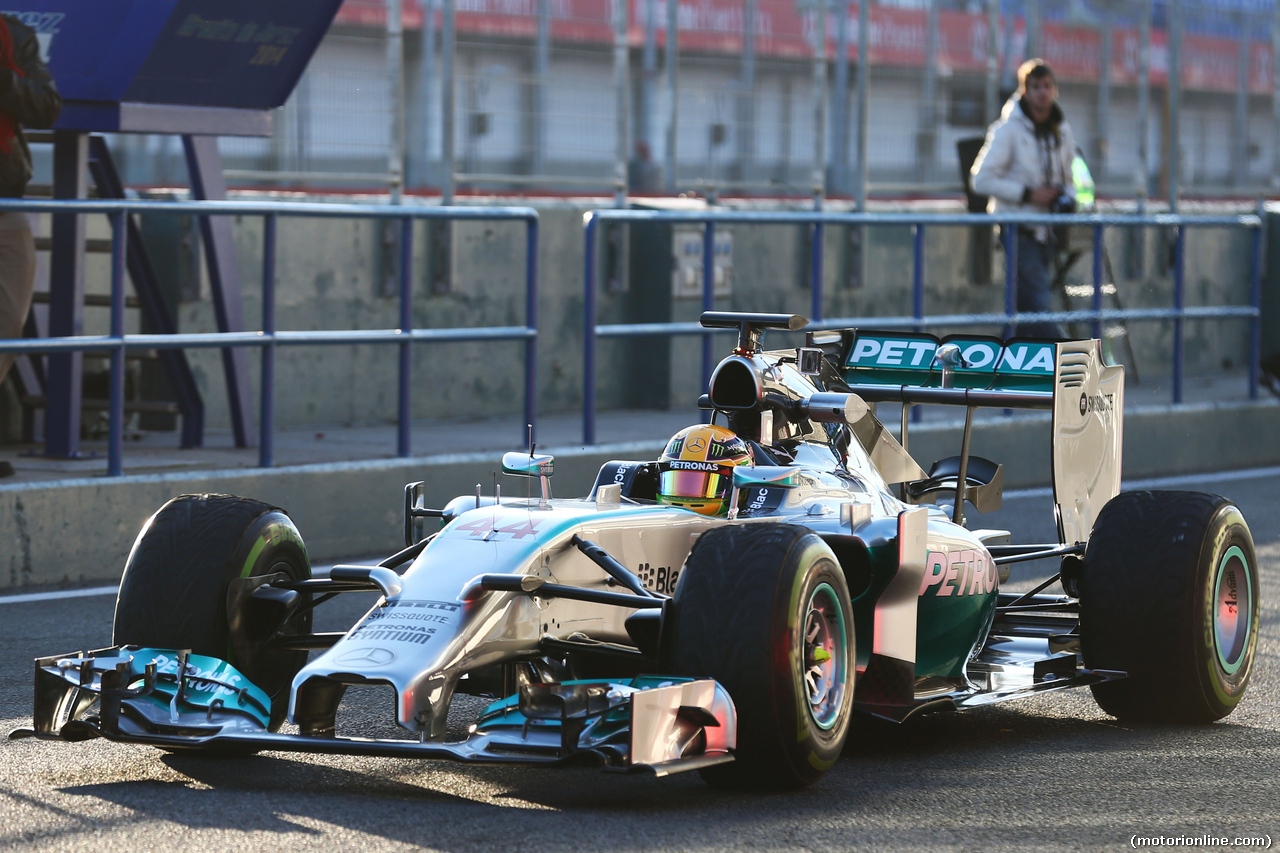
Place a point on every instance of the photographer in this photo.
(1025, 165)
(27, 98)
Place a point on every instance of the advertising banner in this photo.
(898, 37)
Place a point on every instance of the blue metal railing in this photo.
(117, 343)
(1095, 315)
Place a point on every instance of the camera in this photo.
(1064, 203)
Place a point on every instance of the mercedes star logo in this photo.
(367, 657)
(696, 444)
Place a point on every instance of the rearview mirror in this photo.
(528, 465)
(541, 466)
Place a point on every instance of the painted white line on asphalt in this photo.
(1016, 494)
(59, 594)
(1164, 482)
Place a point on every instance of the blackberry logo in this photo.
(659, 578)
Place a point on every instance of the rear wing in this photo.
(1068, 379)
(987, 364)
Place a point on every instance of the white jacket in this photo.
(1015, 158)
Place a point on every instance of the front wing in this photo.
(655, 724)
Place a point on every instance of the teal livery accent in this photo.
(907, 358)
(207, 681)
(884, 563)
(946, 631)
(505, 713)
(956, 605)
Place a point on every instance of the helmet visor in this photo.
(683, 483)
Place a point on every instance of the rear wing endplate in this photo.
(1068, 379)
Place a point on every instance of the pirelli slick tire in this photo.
(764, 610)
(173, 594)
(1169, 594)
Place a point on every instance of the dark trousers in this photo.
(1034, 295)
(17, 275)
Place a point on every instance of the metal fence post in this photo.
(448, 109)
(1034, 31)
(819, 182)
(1179, 305)
(917, 274)
(531, 323)
(426, 77)
(115, 423)
(1010, 235)
(1255, 302)
(917, 293)
(991, 93)
(1275, 99)
(621, 84)
(541, 76)
(1096, 299)
(1102, 133)
(864, 131)
(589, 331)
(1174, 166)
(266, 425)
(1144, 103)
(927, 133)
(672, 58)
(864, 95)
(1240, 144)
(815, 270)
(745, 135)
(405, 419)
(840, 104)
(708, 291)
(395, 73)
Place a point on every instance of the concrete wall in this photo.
(333, 273)
(354, 509)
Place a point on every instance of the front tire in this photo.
(1169, 594)
(764, 609)
(173, 594)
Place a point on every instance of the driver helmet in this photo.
(696, 469)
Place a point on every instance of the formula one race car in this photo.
(725, 608)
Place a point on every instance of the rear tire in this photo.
(764, 609)
(1169, 593)
(173, 594)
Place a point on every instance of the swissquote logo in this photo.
(1096, 403)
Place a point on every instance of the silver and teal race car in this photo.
(728, 607)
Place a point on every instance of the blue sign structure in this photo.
(141, 65)
(198, 68)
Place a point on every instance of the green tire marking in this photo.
(254, 553)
